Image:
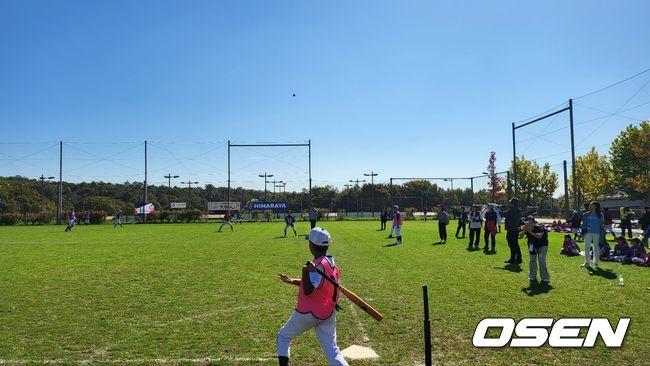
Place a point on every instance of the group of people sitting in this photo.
(623, 252)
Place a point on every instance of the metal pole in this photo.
(514, 158)
(146, 198)
(59, 206)
(427, 327)
(471, 183)
(573, 157)
(228, 170)
(566, 192)
(509, 184)
(310, 201)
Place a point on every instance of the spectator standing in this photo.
(462, 221)
(512, 224)
(626, 221)
(313, 216)
(490, 228)
(383, 218)
(537, 247)
(592, 226)
(608, 222)
(475, 223)
(443, 221)
(644, 222)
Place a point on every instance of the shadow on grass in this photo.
(604, 273)
(472, 249)
(489, 252)
(391, 245)
(536, 288)
(511, 267)
(438, 243)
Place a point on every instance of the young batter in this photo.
(316, 302)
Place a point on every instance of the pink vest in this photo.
(322, 301)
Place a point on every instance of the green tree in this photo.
(630, 158)
(534, 184)
(594, 176)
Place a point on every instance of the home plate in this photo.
(355, 352)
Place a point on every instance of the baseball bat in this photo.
(353, 297)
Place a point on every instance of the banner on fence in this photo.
(179, 205)
(224, 206)
(276, 206)
(148, 209)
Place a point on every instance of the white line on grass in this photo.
(362, 330)
(204, 360)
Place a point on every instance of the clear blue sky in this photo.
(408, 88)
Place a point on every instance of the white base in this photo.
(355, 352)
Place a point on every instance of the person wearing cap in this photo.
(626, 220)
(290, 222)
(537, 247)
(227, 217)
(313, 216)
(576, 222)
(397, 225)
(317, 300)
(72, 219)
(592, 228)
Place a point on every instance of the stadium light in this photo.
(169, 177)
(265, 175)
(43, 179)
(372, 175)
(189, 184)
(347, 187)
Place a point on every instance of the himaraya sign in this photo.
(224, 206)
(270, 205)
(179, 204)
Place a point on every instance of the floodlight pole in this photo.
(566, 192)
(348, 186)
(146, 198)
(357, 185)
(573, 156)
(59, 206)
(372, 175)
(229, 170)
(43, 179)
(514, 158)
(311, 203)
(170, 176)
(265, 175)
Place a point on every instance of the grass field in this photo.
(179, 293)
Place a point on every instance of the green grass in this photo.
(184, 292)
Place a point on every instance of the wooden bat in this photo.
(353, 297)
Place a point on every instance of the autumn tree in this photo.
(630, 159)
(495, 183)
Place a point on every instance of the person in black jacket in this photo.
(537, 247)
(576, 224)
(512, 225)
(383, 217)
(462, 221)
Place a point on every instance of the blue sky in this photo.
(409, 88)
